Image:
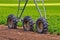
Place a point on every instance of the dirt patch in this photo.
(20, 34)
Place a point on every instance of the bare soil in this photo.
(20, 34)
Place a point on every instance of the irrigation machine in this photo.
(27, 22)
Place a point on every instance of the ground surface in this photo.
(20, 34)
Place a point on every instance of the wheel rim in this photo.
(26, 25)
(10, 23)
(40, 26)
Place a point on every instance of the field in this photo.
(20, 34)
(53, 14)
(30, 1)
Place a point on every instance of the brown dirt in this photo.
(20, 34)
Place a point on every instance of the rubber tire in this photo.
(44, 25)
(30, 21)
(14, 22)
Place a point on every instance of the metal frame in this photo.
(36, 7)
(22, 9)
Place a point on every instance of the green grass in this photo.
(53, 16)
(30, 1)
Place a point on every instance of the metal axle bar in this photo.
(38, 8)
(23, 9)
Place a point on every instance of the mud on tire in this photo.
(27, 24)
(41, 25)
(12, 22)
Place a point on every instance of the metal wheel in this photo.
(27, 24)
(12, 22)
(41, 25)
